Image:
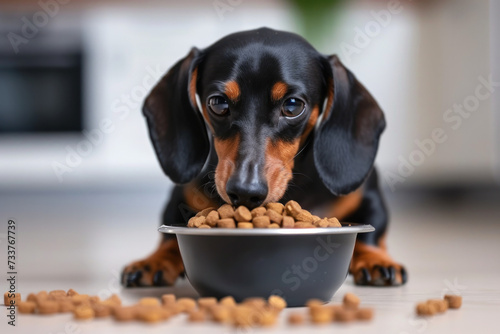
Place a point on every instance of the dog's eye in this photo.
(218, 105)
(292, 107)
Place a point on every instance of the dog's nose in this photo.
(250, 194)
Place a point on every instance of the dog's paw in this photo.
(162, 268)
(374, 266)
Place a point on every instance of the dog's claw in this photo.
(392, 275)
(404, 275)
(158, 279)
(132, 279)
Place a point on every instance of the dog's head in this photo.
(261, 94)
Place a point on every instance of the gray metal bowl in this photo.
(297, 264)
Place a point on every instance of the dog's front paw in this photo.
(372, 265)
(162, 268)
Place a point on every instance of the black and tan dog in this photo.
(284, 122)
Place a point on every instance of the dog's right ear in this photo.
(176, 126)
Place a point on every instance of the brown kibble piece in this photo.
(197, 316)
(168, 299)
(256, 302)
(101, 310)
(301, 224)
(207, 302)
(221, 313)
(212, 218)
(244, 316)
(274, 217)
(31, 298)
(186, 304)
(288, 222)
(293, 208)
(126, 313)
(345, 315)
(277, 207)
(205, 212)
(228, 301)
(277, 302)
(71, 293)
(351, 301)
(242, 214)
(115, 299)
(14, 297)
(273, 225)
(150, 313)
(441, 305)
(84, 312)
(334, 222)
(296, 318)
(261, 221)
(426, 309)
(454, 301)
(149, 301)
(245, 225)
(364, 314)
(322, 223)
(66, 306)
(304, 216)
(80, 300)
(26, 307)
(48, 307)
(266, 318)
(321, 315)
(196, 221)
(226, 211)
(204, 226)
(260, 211)
(57, 293)
(226, 223)
(312, 303)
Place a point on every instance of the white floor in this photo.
(80, 241)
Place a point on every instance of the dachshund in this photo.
(260, 116)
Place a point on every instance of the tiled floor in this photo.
(81, 240)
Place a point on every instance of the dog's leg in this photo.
(371, 264)
(164, 265)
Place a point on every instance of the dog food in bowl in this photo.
(273, 215)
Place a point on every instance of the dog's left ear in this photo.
(176, 126)
(346, 141)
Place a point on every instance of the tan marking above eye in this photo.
(232, 90)
(279, 90)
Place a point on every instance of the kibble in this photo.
(26, 307)
(277, 302)
(226, 211)
(242, 214)
(296, 318)
(351, 301)
(48, 307)
(150, 301)
(11, 298)
(186, 304)
(364, 314)
(226, 223)
(454, 302)
(197, 316)
(168, 299)
(84, 312)
(207, 302)
(273, 215)
(228, 301)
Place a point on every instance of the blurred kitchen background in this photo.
(77, 170)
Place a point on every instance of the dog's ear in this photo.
(346, 140)
(176, 126)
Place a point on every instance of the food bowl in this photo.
(297, 264)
